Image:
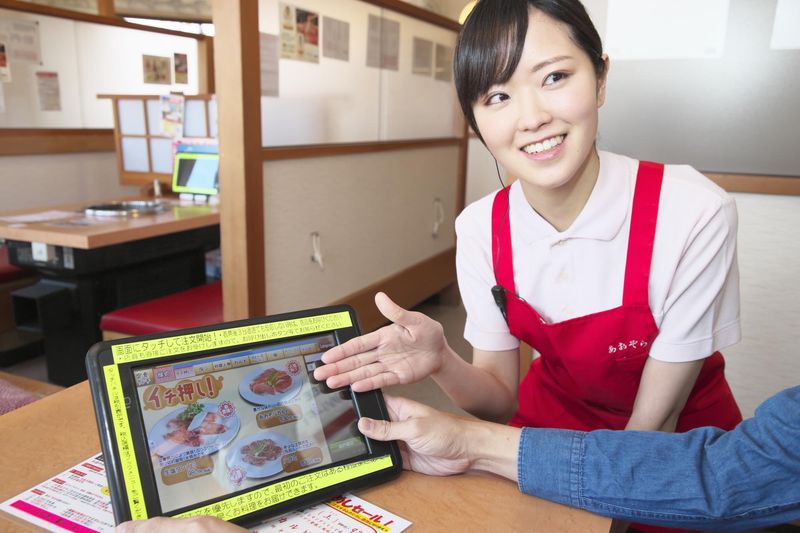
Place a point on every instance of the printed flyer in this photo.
(172, 115)
(5, 69)
(299, 34)
(77, 500)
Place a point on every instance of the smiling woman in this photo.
(621, 273)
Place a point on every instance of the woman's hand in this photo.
(410, 349)
(194, 524)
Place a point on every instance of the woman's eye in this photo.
(496, 98)
(555, 77)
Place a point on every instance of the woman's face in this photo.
(541, 124)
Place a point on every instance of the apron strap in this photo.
(644, 215)
(502, 259)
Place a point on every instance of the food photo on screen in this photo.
(223, 423)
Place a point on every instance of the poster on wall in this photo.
(335, 39)
(21, 38)
(157, 69)
(270, 56)
(288, 32)
(49, 91)
(383, 43)
(181, 67)
(422, 64)
(444, 63)
(299, 34)
(5, 70)
(172, 106)
(2, 99)
(307, 35)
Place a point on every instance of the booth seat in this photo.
(199, 306)
(9, 272)
(11, 278)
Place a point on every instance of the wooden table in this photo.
(57, 432)
(74, 230)
(94, 265)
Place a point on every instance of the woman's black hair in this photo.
(490, 44)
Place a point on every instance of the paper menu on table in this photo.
(43, 216)
(74, 500)
(345, 514)
(77, 500)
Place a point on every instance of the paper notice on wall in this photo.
(307, 24)
(2, 99)
(21, 38)
(157, 69)
(383, 43)
(172, 115)
(5, 69)
(270, 62)
(288, 32)
(299, 34)
(49, 91)
(335, 39)
(181, 67)
(444, 63)
(423, 57)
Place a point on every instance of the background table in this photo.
(98, 264)
(46, 437)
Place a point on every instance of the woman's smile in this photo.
(544, 149)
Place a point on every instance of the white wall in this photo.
(346, 101)
(90, 59)
(374, 213)
(47, 180)
(768, 358)
(481, 172)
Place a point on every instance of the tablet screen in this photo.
(196, 173)
(227, 420)
(221, 424)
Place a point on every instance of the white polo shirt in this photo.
(694, 277)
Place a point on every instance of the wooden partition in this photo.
(241, 183)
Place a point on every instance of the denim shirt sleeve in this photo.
(702, 479)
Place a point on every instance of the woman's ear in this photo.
(601, 82)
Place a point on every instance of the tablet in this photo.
(196, 173)
(228, 421)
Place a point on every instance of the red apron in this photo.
(590, 366)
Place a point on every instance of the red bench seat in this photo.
(9, 272)
(199, 306)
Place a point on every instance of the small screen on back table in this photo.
(225, 423)
(200, 174)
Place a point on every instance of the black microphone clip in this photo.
(499, 295)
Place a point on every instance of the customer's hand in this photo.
(435, 442)
(441, 444)
(408, 350)
(194, 524)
